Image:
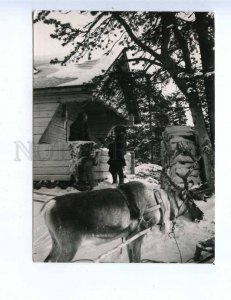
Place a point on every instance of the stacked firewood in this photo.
(85, 155)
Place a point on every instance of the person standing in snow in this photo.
(117, 150)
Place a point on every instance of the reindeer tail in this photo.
(47, 204)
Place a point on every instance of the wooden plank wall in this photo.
(52, 162)
(49, 120)
(57, 129)
(42, 115)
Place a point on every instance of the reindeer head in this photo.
(188, 196)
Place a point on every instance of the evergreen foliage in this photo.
(171, 46)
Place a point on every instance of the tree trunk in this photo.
(150, 117)
(184, 85)
(207, 57)
(203, 138)
(189, 90)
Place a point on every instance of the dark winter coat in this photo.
(117, 150)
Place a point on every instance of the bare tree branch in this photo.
(183, 43)
(116, 42)
(167, 62)
(152, 61)
(143, 46)
(165, 34)
(93, 23)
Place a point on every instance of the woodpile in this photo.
(89, 164)
(68, 164)
(179, 153)
(85, 156)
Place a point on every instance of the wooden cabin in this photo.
(55, 108)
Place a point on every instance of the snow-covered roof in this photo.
(78, 74)
(48, 75)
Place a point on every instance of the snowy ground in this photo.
(156, 246)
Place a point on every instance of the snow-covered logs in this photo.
(179, 152)
(89, 163)
(85, 156)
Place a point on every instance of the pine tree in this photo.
(164, 41)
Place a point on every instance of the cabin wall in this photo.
(49, 117)
(46, 103)
(57, 128)
(51, 162)
(42, 116)
(51, 110)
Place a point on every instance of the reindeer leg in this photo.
(69, 244)
(55, 251)
(134, 249)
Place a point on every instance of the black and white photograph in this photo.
(124, 136)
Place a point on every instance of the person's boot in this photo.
(114, 177)
(121, 180)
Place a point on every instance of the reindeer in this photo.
(107, 214)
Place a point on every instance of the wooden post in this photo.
(131, 120)
(150, 116)
(132, 162)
